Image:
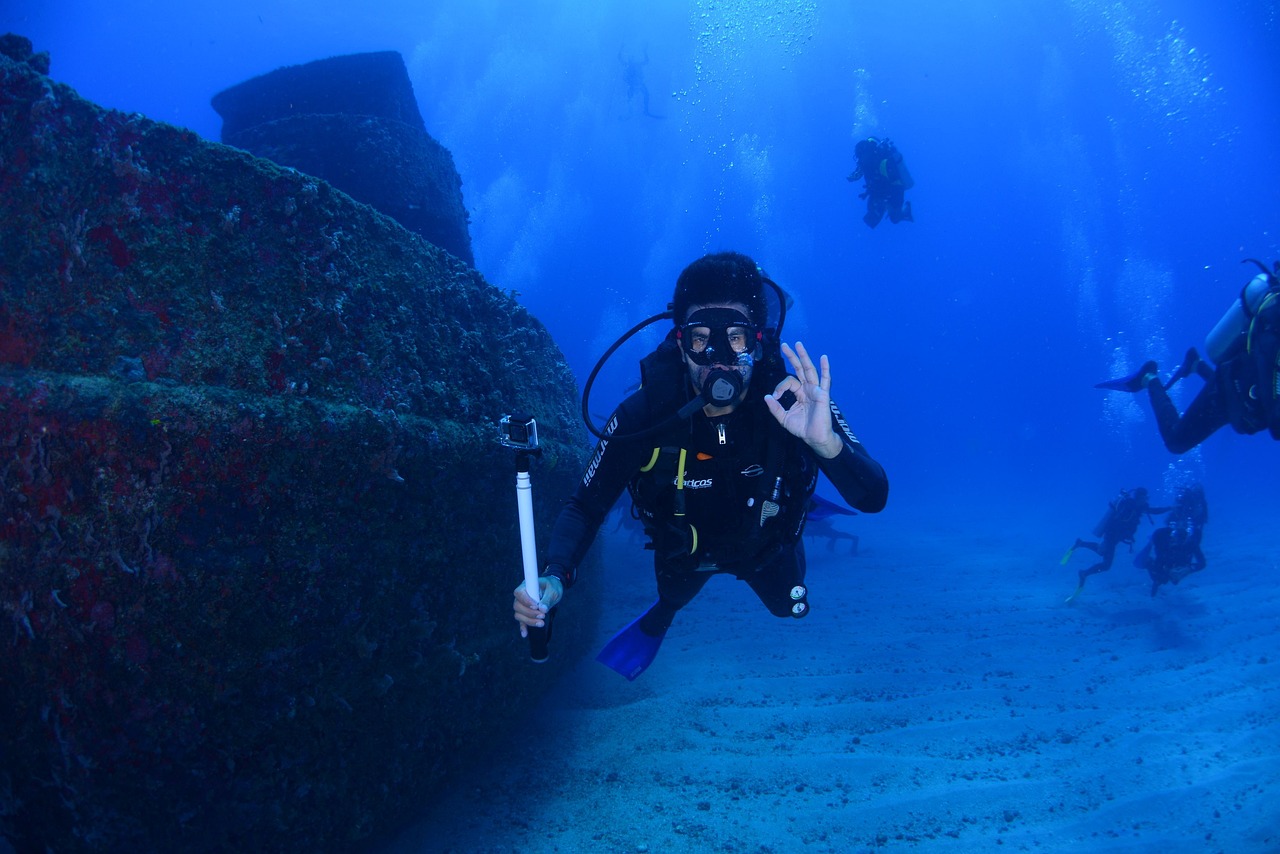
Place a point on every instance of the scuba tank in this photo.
(1224, 340)
(1100, 529)
(1119, 511)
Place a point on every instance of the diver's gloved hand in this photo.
(809, 417)
(530, 613)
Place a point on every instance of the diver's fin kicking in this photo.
(1191, 364)
(1080, 576)
(633, 649)
(1066, 557)
(1133, 382)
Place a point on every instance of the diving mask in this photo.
(719, 336)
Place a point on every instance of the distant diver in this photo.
(633, 76)
(819, 523)
(1174, 551)
(1118, 525)
(881, 166)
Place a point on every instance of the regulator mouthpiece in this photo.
(722, 387)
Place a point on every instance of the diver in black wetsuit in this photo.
(1118, 526)
(1174, 551)
(886, 179)
(1242, 388)
(724, 490)
(633, 76)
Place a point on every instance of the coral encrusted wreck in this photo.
(257, 540)
(353, 120)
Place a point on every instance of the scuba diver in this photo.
(1242, 385)
(820, 524)
(633, 76)
(1174, 552)
(720, 450)
(1118, 525)
(886, 179)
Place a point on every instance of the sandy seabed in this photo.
(940, 697)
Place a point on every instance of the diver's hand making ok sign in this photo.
(809, 417)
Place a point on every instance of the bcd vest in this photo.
(730, 491)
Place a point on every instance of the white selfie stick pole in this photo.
(528, 545)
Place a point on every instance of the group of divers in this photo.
(1241, 387)
(1240, 376)
(721, 446)
(1172, 553)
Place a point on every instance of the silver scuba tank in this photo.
(1221, 342)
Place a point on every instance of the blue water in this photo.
(1089, 176)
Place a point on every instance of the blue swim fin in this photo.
(632, 650)
(1191, 364)
(1133, 382)
(821, 508)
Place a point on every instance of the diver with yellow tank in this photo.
(885, 180)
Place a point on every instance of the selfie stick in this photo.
(538, 637)
(526, 447)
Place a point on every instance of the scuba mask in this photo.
(720, 336)
(759, 353)
(724, 340)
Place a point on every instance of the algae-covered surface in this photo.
(257, 537)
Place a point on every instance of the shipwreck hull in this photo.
(257, 537)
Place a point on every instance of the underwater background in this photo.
(1089, 176)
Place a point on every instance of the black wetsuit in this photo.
(1174, 551)
(1120, 527)
(1225, 399)
(1243, 390)
(728, 463)
(886, 182)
